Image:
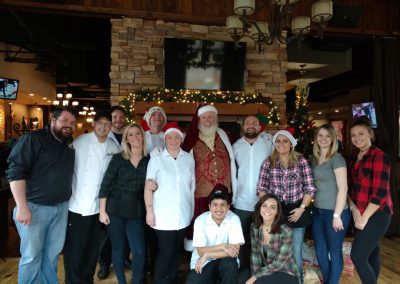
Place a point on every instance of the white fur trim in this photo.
(152, 110)
(224, 137)
(172, 129)
(287, 134)
(188, 244)
(205, 109)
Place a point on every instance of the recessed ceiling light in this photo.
(319, 112)
(44, 98)
(49, 101)
(336, 110)
(31, 95)
(10, 103)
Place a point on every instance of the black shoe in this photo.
(128, 263)
(104, 272)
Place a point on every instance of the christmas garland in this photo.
(196, 96)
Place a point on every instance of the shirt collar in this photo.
(165, 153)
(210, 220)
(244, 141)
(48, 131)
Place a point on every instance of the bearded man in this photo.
(214, 159)
(41, 166)
(250, 152)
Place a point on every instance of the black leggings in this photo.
(365, 252)
(277, 278)
(170, 245)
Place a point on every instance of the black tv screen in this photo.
(365, 109)
(204, 65)
(8, 88)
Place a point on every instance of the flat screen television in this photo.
(8, 88)
(204, 65)
(366, 109)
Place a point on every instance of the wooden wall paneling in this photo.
(184, 6)
(378, 17)
(169, 6)
(211, 8)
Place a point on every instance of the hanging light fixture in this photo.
(266, 33)
(65, 100)
(322, 12)
(88, 112)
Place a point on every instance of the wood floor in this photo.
(390, 271)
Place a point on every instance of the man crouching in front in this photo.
(217, 238)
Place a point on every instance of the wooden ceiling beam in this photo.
(380, 19)
(106, 12)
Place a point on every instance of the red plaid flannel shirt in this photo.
(369, 180)
(289, 185)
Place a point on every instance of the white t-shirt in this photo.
(249, 159)
(154, 141)
(207, 233)
(173, 201)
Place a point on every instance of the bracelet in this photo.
(352, 207)
(336, 215)
(303, 206)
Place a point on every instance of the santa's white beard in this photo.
(208, 131)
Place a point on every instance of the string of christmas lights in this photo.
(301, 123)
(196, 96)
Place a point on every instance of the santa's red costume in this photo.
(214, 159)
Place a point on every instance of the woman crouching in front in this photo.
(271, 245)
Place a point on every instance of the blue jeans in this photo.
(133, 229)
(328, 243)
(41, 243)
(297, 241)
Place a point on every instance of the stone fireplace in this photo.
(137, 58)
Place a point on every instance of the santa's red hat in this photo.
(145, 123)
(172, 127)
(192, 135)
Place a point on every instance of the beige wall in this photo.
(41, 84)
(31, 81)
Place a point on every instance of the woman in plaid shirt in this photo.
(288, 175)
(271, 245)
(370, 200)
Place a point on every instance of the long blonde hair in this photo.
(126, 149)
(333, 148)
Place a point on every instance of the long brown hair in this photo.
(293, 157)
(258, 220)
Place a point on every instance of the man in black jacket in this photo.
(41, 166)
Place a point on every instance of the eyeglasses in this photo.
(105, 124)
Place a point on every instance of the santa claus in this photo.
(213, 155)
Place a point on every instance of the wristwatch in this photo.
(303, 206)
(336, 215)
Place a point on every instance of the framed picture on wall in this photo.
(340, 128)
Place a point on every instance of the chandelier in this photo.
(64, 100)
(264, 33)
(89, 112)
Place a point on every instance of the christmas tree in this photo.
(301, 124)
